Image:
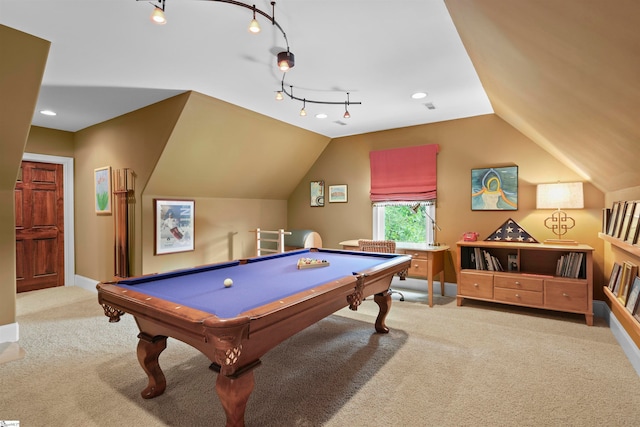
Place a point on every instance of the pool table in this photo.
(270, 300)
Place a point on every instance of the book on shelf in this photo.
(483, 260)
(571, 265)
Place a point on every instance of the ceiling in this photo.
(107, 59)
(564, 73)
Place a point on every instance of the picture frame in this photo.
(625, 218)
(606, 218)
(317, 193)
(102, 190)
(629, 271)
(615, 272)
(634, 225)
(494, 189)
(174, 222)
(613, 221)
(632, 300)
(338, 193)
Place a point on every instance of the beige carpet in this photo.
(476, 365)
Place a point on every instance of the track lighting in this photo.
(254, 27)
(285, 60)
(157, 16)
(305, 100)
(346, 114)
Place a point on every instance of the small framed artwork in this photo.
(494, 189)
(606, 217)
(632, 300)
(173, 226)
(632, 234)
(615, 271)
(625, 218)
(338, 193)
(629, 271)
(102, 188)
(613, 221)
(317, 193)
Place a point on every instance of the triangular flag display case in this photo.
(511, 231)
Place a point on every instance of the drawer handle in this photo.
(517, 283)
(564, 294)
(517, 295)
(476, 285)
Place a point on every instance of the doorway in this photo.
(45, 272)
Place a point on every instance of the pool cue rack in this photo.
(123, 195)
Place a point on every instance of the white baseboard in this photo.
(9, 333)
(629, 347)
(86, 283)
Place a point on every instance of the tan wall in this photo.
(50, 142)
(464, 144)
(21, 68)
(134, 141)
(222, 231)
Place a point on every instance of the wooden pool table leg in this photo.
(149, 349)
(234, 394)
(384, 302)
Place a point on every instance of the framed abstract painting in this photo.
(494, 189)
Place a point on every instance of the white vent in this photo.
(338, 122)
(430, 105)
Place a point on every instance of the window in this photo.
(405, 222)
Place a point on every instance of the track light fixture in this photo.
(305, 100)
(254, 27)
(157, 16)
(285, 60)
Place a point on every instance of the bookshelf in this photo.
(547, 276)
(628, 322)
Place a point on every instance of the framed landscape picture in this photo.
(494, 189)
(174, 226)
(337, 194)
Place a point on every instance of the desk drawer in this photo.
(518, 296)
(513, 281)
(476, 285)
(419, 268)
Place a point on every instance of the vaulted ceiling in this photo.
(564, 73)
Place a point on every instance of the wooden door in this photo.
(39, 204)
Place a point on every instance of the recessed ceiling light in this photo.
(419, 95)
(48, 112)
(321, 116)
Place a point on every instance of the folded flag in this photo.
(510, 231)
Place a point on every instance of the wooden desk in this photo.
(427, 262)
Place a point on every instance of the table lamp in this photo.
(562, 195)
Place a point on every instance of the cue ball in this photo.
(228, 283)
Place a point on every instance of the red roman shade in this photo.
(404, 173)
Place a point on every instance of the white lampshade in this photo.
(562, 195)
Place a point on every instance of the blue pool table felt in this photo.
(259, 282)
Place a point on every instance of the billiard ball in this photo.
(228, 283)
